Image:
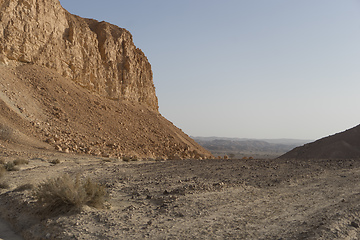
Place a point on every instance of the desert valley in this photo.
(85, 153)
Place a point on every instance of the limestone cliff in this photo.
(46, 54)
(96, 55)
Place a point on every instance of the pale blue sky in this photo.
(252, 69)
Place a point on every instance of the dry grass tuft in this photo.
(55, 161)
(27, 186)
(10, 166)
(4, 185)
(21, 162)
(65, 194)
(2, 171)
(130, 158)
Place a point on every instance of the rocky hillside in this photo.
(77, 85)
(96, 55)
(344, 145)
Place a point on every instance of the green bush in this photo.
(65, 194)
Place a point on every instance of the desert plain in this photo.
(189, 199)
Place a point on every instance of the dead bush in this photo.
(95, 193)
(21, 162)
(4, 185)
(65, 194)
(6, 133)
(10, 166)
(55, 161)
(2, 171)
(24, 187)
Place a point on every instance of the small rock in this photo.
(354, 224)
(58, 148)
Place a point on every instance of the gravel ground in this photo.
(193, 199)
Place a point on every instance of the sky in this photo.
(246, 68)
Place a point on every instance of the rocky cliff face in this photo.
(42, 46)
(96, 55)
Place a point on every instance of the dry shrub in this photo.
(65, 194)
(6, 133)
(2, 161)
(55, 161)
(95, 193)
(27, 186)
(2, 171)
(21, 162)
(10, 166)
(4, 185)
(159, 159)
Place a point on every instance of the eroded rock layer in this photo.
(42, 109)
(79, 86)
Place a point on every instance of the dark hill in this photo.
(343, 145)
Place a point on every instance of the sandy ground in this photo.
(193, 199)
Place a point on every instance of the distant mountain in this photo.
(245, 147)
(343, 145)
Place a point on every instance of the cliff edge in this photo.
(79, 86)
(96, 55)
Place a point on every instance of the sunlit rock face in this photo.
(97, 55)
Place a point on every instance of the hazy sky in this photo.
(247, 68)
